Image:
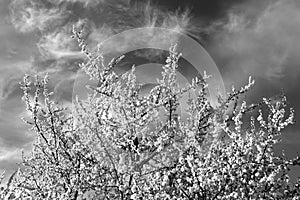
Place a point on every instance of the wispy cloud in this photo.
(58, 44)
(104, 19)
(265, 45)
(30, 15)
(85, 3)
(14, 132)
(10, 74)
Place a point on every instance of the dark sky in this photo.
(244, 37)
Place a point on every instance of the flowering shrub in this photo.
(119, 144)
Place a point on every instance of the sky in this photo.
(244, 38)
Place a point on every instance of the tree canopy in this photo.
(119, 144)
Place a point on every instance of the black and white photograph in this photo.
(149, 99)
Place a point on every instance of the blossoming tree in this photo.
(114, 145)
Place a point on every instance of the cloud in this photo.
(14, 132)
(58, 44)
(104, 19)
(10, 75)
(265, 46)
(9, 155)
(208, 11)
(118, 16)
(9, 160)
(110, 18)
(86, 3)
(30, 15)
